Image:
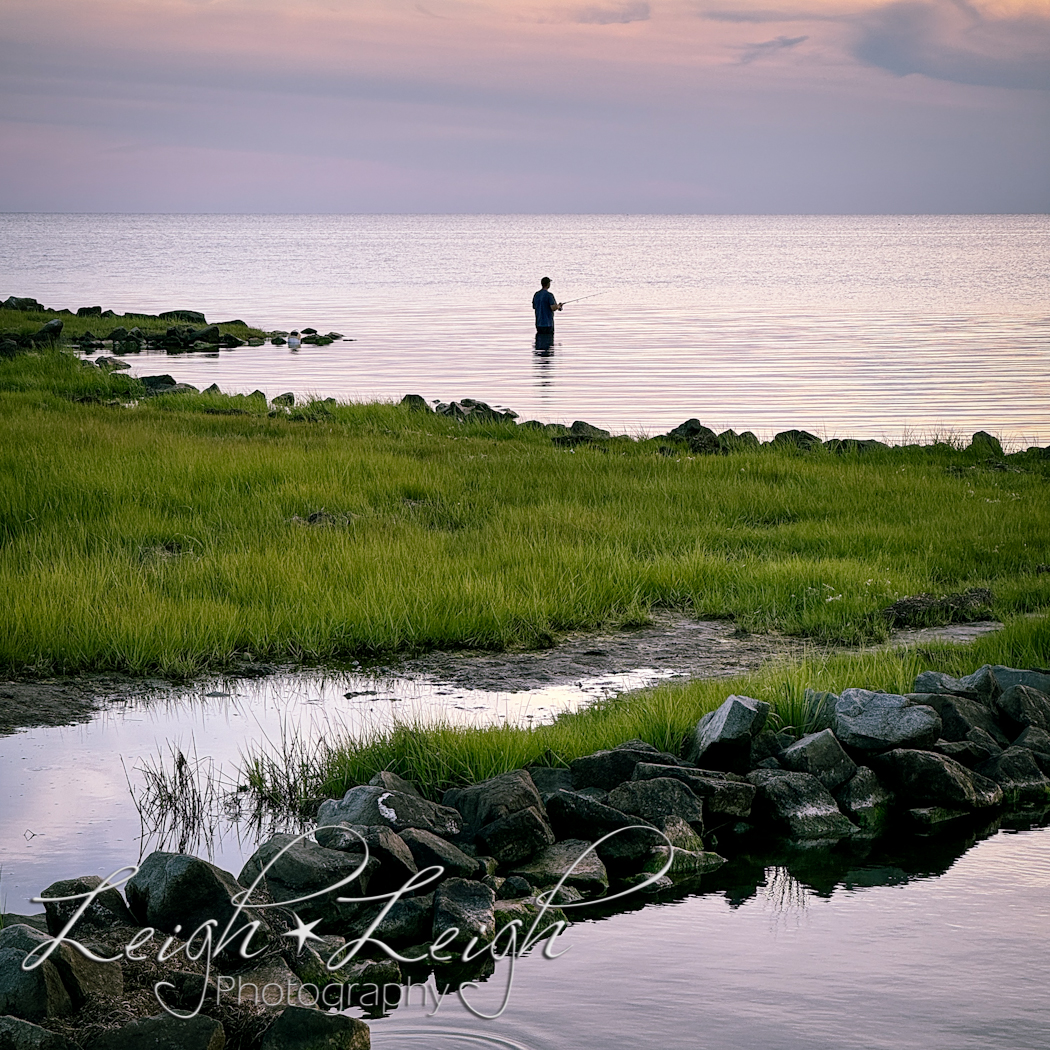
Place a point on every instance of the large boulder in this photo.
(549, 779)
(723, 794)
(871, 722)
(574, 816)
(189, 316)
(1021, 706)
(548, 868)
(367, 804)
(959, 715)
(517, 835)
(164, 1032)
(975, 750)
(1018, 774)
(466, 905)
(105, 910)
(685, 864)
(1003, 678)
(722, 738)
(821, 756)
(976, 686)
(428, 850)
(16, 1034)
(657, 799)
(923, 778)
(32, 995)
(797, 804)
(173, 890)
(1037, 741)
(497, 797)
(396, 865)
(606, 769)
(301, 1029)
(865, 801)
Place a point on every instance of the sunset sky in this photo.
(763, 106)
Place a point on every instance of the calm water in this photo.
(887, 326)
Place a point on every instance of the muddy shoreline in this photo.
(672, 643)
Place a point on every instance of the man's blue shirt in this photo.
(543, 302)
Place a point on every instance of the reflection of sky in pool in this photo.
(65, 804)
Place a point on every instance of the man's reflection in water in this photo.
(544, 357)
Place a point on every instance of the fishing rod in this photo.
(581, 298)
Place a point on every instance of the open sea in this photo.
(894, 327)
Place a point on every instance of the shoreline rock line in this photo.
(516, 852)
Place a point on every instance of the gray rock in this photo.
(27, 303)
(923, 778)
(959, 715)
(527, 911)
(83, 978)
(16, 1034)
(156, 382)
(723, 795)
(396, 864)
(188, 316)
(213, 389)
(685, 864)
(114, 364)
(1037, 741)
(976, 686)
(367, 804)
(517, 835)
(429, 849)
(173, 892)
(415, 403)
(681, 835)
(307, 868)
(513, 887)
(288, 400)
(496, 797)
(820, 755)
(970, 753)
(105, 910)
(722, 739)
(549, 779)
(31, 995)
(50, 331)
(392, 782)
(798, 804)
(933, 818)
(164, 1032)
(1018, 774)
(985, 444)
(768, 744)
(588, 873)
(801, 439)
(865, 801)
(1021, 706)
(466, 905)
(657, 799)
(1002, 678)
(873, 722)
(582, 429)
(301, 1029)
(606, 769)
(408, 921)
(574, 816)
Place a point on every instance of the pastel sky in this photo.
(723, 106)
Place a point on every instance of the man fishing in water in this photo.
(544, 303)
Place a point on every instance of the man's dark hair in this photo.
(545, 281)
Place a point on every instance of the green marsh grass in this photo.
(438, 756)
(166, 535)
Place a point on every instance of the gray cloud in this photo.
(770, 47)
(633, 11)
(950, 40)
